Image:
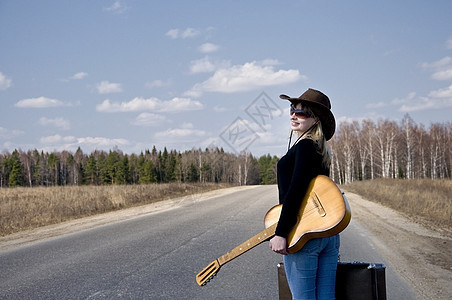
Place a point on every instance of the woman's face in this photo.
(300, 120)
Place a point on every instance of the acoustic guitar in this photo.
(324, 212)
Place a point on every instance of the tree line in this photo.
(388, 149)
(37, 168)
(361, 150)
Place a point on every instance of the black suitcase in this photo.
(283, 285)
(354, 281)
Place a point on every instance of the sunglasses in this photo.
(299, 112)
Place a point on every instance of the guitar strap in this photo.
(299, 138)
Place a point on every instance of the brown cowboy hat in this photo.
(321, 106)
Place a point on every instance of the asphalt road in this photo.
(157, 256)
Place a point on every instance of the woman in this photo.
(311, 272)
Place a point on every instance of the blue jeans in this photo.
(311, 272)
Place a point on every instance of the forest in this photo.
(361, 150)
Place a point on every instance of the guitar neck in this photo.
(324, 211)
(261, 237)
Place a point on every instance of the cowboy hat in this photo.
(321, 106)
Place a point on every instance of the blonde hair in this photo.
(316, 134)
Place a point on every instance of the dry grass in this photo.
(27, 208)
(427, 201)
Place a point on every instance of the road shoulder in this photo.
(419, 255)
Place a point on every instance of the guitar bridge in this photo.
(318, 205)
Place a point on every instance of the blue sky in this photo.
(132, 74)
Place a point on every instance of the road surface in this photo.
(154, 252)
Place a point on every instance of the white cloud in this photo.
(72, 143)
(208, 48)
(408, 99)
(180, 104)
(150, 104)
(421, 103)
(183, 33)
(186, 131)
(184, 137)
(438, 64)
(442, 93)
(117, 8)
(5, 82)
(106, 87)
(76, 76)
(449, 43)
(205, 65)
(40, 102)
(189, 33)
(101, 142)
(57, 122)
(79, 75)
(438, 99)
(173, 33)
(52, 139)
(362, 118)
(148, 119)
(443, 74)
(246, 77)
(442, 69)
(136, 104)
(202, 65)
(158, 83)
(435, 100)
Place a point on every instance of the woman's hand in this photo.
(279, 245)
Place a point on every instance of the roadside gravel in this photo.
(420, 255)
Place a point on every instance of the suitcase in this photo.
(359, 280)
(283, 285)
(354, 281)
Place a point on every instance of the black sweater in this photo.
(295, 171)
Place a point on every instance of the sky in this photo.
(134, 74)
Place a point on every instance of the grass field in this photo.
(424, 200)
(27, 208)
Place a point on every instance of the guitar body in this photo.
(324, 212)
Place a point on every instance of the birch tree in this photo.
(347, 140)
(386, 134)
(369, 134)
(409, 134)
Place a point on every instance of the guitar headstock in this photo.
(208, 273)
